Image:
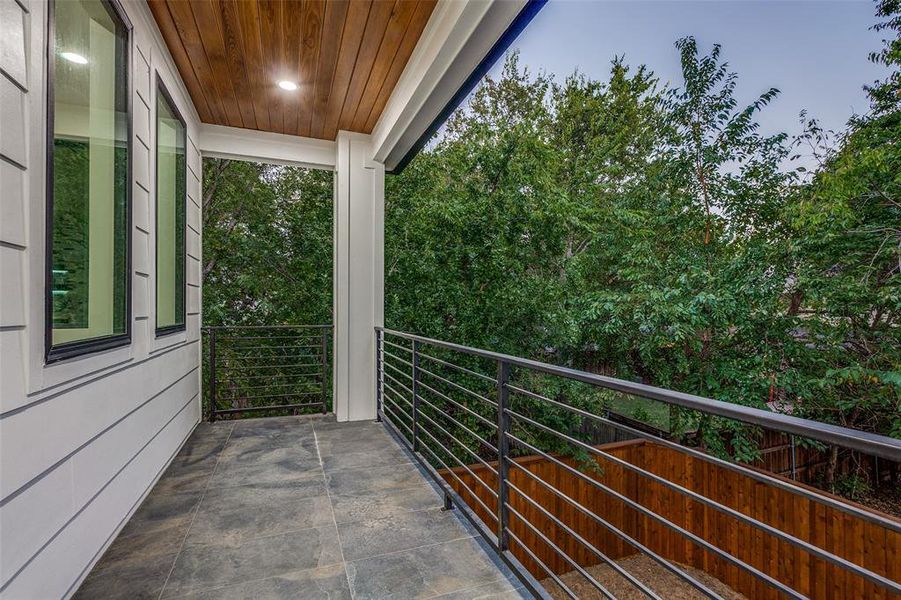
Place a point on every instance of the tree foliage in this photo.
(267, 244)
(653, 232)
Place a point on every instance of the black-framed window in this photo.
(88, 173)
(171, 196)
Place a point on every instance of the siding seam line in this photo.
(100, 491)
(98, 374)
(24, 487)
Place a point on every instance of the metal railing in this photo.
(280, 369)
(462, 409)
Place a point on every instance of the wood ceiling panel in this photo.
(345, 55)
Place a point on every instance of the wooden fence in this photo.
(862, 542)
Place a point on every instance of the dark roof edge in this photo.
(524, 17)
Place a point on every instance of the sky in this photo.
(814, 52)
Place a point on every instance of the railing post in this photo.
(212, 331)
(503, 450)
(378, 376)
(415, 396)
(324, 367)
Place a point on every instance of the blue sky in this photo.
(814, 52)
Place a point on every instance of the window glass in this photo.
(88, 167)
(170, 215)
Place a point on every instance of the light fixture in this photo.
(287, 85)
(78, 59)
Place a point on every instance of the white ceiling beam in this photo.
(218, 141)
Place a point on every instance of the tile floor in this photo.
(296, 507)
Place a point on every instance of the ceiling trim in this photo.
(461, 42)
(220, 141)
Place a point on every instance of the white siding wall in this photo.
(82, 441)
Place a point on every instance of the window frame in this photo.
(161, 89)
(54, 353)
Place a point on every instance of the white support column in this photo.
(359, 261)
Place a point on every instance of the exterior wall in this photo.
(82, 440)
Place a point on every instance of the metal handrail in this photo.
(247, 373)
(867, 443)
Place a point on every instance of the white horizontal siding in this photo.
(82, 440)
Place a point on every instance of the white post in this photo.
(358, 274)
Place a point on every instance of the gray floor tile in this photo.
(326, 583)
(135, 580)
(371, 537)
(251, 444)
(246, 510)
(357, 507)
(498, 590)
(351, 458)
(187, 474)
(211, 432)
(423, 572)
(272, 427)
(144, 545)
(241, 513)
(374, 479)
(204, 567)
(161, 511)
(272, 465)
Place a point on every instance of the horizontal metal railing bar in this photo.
(232, 372)
(399, 421)
(251, 367)
(726, 510)
(651, 514)
(394, 401)
(399, 395)
(398, 346)
(488, 535)
(578, 568)
(228, 411)
(448, 434)
(617, 532)
(399, 384)
(459, 387)
(457, 477)
(459, 405)
(739, 516)
(585, 543)
(788, 486)
(572, 533)
(292, 346)
(393, 368)
(482, 440)
(397, 358)
(230, 338)
(289, 347)
(267, 397)
(547, 570)
(267, 376)
(237, 327)
(459, 368)
(456, 458)
(868, 443)
(230, 352)
(270, 386)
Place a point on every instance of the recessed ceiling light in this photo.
(78, 59)
(287, 85)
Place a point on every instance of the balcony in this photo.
(295, 507)
(476, 485)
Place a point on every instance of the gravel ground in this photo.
(646, 570)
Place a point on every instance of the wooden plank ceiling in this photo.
(345, 55)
